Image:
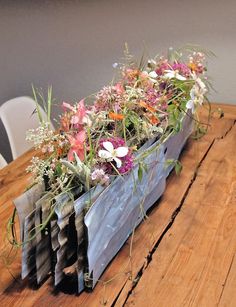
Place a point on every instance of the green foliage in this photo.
(176, 164)
(140, 172)
(80, 170)
(46, 103)
(175, 115)
(199, 132)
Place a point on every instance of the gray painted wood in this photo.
(118, 210)
(29, 246)
(64, 208)
(43, 247)
(25, 203)
(80, 204)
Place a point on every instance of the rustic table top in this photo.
(183, 254)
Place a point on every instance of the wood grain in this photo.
(187, 242)
(228, 298)
(191, 264)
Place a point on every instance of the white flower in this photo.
(196, 94)
(113, 154)
(170, 74)
(115, 65)
(153, 74)
(152, 62)
(190, 104)
(201, 86)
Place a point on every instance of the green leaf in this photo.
(178, 167)
(49, 106)
(140, 172)
(58, 170)
(169, 162)
(200, 131)
(37, 104)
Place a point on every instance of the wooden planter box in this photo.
(90, 239)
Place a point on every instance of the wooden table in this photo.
(182, 255)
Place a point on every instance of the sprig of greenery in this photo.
(46, 103)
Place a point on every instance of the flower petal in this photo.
(201, 84)
(70, 155)
(192, 93)
(71, 140)
(104, 154)
(66, 105)
(179, 77)
(153, 74)
(80, 137)
(169, 75)
(80, 154)
(108, 146)
(118, 162)
(190, 105)
(121, 151)
(74, 120)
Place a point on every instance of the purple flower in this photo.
(99, 176)
(182, 69)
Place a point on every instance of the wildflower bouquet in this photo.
(107, 163)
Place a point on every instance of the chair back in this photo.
(2, 162)
(18, 116)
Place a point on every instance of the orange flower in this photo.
(132, 73)
(192, 66)
(146, 106)
(65, 122)
(59, 151)
(116, 116)
(153, 119)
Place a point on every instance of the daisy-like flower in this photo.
(110, 153)
(191, 103)
(170, 74)
(153, 74)
(196, 94)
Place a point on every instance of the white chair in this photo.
(2, 162)
(18, 116)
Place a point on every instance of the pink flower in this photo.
(99, 176)
(77, 145)
(119, 88)
(66, 105)
(79, 117)
(182, 68)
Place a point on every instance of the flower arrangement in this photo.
(120, 134)
(98, 141)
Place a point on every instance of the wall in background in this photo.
(72, 44)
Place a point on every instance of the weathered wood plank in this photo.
(175, 191)
(228, 298)
(191, 263)
(221, 253)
